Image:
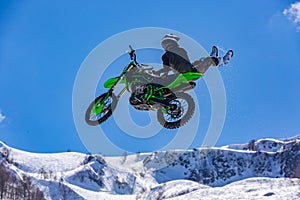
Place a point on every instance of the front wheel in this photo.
(178, 113)
(101, 109)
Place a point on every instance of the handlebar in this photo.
(131, 49)
(133, 58)
(132, 54)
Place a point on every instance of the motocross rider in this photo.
(176, 58)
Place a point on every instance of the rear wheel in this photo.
(178, 113)
(101, 109)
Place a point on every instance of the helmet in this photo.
(169, 40)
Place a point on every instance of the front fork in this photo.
(99, 106)
(121, 93)
(110, 91)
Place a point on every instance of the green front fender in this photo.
(110, 82)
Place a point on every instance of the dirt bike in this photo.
(166, 95)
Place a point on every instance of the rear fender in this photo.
(184, 78)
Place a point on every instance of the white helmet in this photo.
(169, 40)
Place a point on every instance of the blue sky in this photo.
(43, 44)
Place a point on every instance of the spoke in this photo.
(183, 109)
(106, 106)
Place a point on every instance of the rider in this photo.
(176, 58)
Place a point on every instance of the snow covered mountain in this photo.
(262, 169)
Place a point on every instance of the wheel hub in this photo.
(175, 110)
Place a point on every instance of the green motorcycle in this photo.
(166, 95)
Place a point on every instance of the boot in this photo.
(227, 57)
(214, 52)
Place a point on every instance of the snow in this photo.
(263, 145)
(127, 163)
(55, 162)
(252, 188)
(174, 188)
(257, 170)
(88, 194)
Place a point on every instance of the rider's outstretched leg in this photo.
(225, 59)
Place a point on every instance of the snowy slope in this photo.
(252, 188)
(266, 168)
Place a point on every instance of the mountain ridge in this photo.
(155, 175)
